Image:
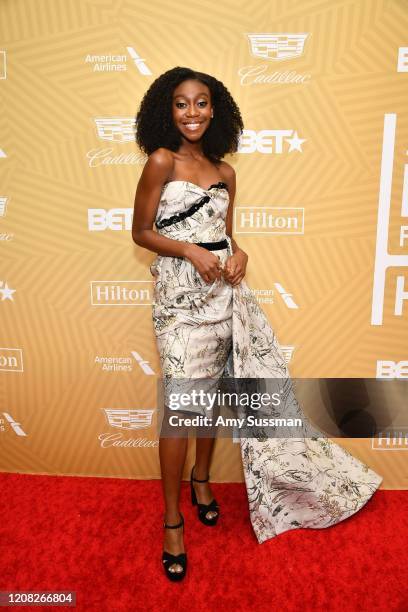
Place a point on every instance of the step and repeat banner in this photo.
(321, 208)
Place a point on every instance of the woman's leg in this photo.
(204, 449)
(172, 452)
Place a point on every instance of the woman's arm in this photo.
(231, 182)
(235, 267)
(155, 172)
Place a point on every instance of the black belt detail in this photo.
(214, 246)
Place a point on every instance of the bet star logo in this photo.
(5, 292)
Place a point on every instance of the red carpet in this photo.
(102, 538)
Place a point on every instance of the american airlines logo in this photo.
(123, 363)
(391, 440)
(11, 359)
(266, 296)
(384, 260)
(14, 425)
(286, 297)
(142, 363)
(117, 63)
(274, 47)
(139, 62)
(276, 142)
(121, 293)
(269, 220)
(263, 296)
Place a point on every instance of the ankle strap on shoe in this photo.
(196, 479)
(206, 480)
(174, 526)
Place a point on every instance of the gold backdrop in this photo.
(321, 209)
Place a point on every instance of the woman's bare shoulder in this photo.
(159, 165)
(156, 170)
(161, 157)
(228, 173)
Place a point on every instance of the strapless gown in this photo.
(213, 330)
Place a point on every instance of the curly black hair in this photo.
(154, 120)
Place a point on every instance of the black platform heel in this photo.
(204, 508)
(169, 559)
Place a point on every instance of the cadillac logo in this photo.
(277, 47)
(129, 419)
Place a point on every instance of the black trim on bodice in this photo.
(190, 211)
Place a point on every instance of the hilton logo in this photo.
(269, 220)
(121, 293)
(11, 359)
(391, 440)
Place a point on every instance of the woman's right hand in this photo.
(205, 262)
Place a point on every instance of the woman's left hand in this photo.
(235, 267)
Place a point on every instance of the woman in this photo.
(208, 324)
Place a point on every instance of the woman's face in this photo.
(191, 109)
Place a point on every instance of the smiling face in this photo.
(192, 109)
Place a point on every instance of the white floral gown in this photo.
(211, 330)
